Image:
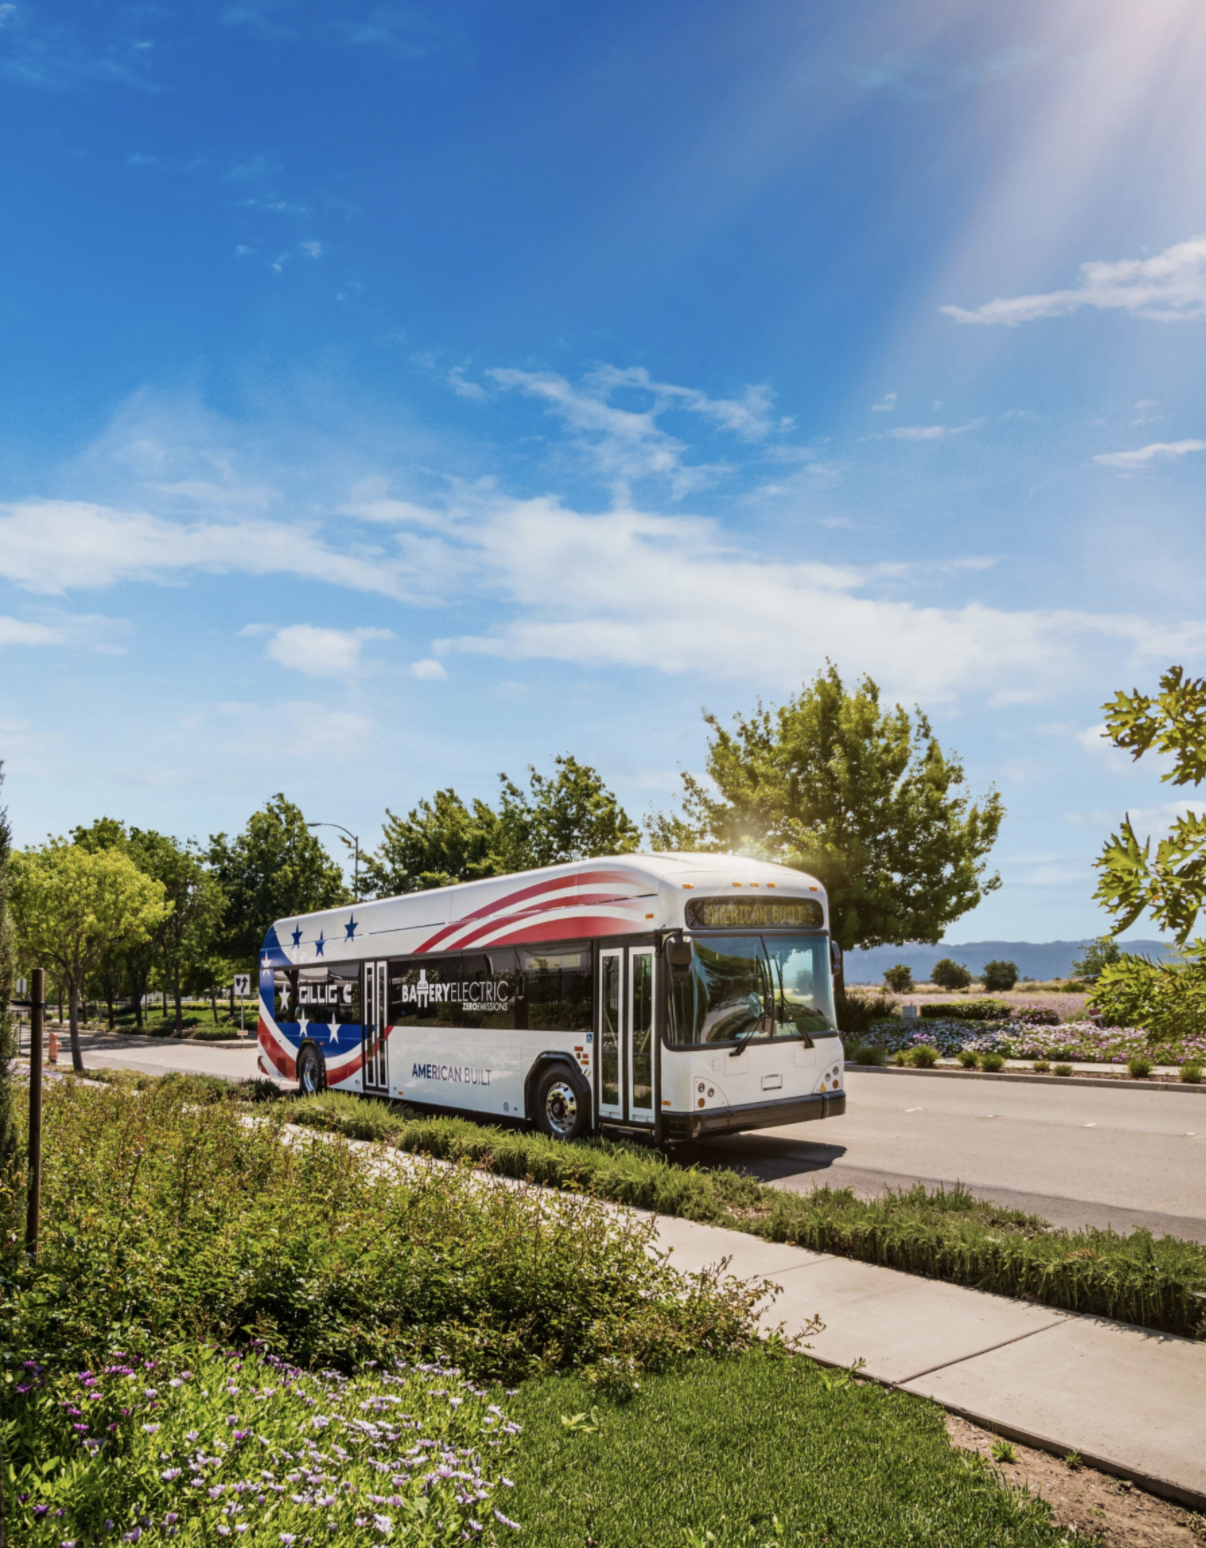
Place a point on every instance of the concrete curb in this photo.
(1017, 1078)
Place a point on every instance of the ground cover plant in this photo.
(756, 1452)
(169, 1217)
(202, 1444)
(1015, 1038)
(1156, 1282)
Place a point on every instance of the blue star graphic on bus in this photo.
(318, 945)
(352, 926)
(297, 935)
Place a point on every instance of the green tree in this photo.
(70, 906)
(862, 797)
(1098, 955)
(188, 933)
(1171, 884)
(949, 974)
(1000, 976)
(274, 869)
(8, 1127)
(899, 978)
(569, 815)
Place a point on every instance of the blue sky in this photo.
(397, 394)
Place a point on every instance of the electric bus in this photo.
(668, 996)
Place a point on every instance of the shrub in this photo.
(968, 1058)
(858, 1011)
(948, 974)
(1138, 1067)
(1041, 1066)
(965, 1010)
(1099, 954)
(1062, 1069)
(175, 1219)
(1037, 1016)
(1191, 1074)
(992, 1062)
(923, 1057)
(902, 1057)
(867, 1054)
(899, 978)
(999, 976)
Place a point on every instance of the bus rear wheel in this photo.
(311, 1072)
(562, 1104)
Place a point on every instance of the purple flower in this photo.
(132, 1537)
(169, 1473)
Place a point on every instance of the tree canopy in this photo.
(1171, 884)
(569, 815)
(275, 869)
(70, 905)
(860, 796)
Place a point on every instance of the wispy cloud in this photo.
(1158, 451)
(624, 438)
(885, 405)
(1171, 286)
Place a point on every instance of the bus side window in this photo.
(558, 988)
(286, 1002)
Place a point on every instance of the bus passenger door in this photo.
(373, 1018)
(641, 1097)
(611, 1010)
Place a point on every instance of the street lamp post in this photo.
(355, 841)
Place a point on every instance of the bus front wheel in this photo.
(311, 1074)
(562, 1104)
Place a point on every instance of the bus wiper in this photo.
(808, 1042)
(766, 992)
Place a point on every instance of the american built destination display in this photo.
(664, 995)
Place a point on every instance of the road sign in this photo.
(242, 984)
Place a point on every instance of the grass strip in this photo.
(1154, 1282)
(755, 1452)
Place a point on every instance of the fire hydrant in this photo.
(52, 1053)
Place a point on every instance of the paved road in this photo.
(1076, 1155)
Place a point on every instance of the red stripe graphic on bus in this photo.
(571, 885)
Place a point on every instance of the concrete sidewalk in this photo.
(1130, 1401)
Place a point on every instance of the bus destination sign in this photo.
(754, 914)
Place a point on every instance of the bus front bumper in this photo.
(755, 1115)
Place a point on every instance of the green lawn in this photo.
(754, 1451)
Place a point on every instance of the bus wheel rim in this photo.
(561, 1106)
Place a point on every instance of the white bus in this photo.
(668, 995)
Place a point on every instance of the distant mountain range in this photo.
(1034, 959)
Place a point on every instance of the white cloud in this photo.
(677, 594)
(312, 249)
(60, 545)
(429, 670)
(1168, 287)
(321, 652)
(14, 632)
(1158, 451)
(885, 405)
(931, 432)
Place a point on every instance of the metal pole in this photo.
(36, 1007)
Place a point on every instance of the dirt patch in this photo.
(1094, 1506)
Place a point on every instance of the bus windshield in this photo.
(752, 988)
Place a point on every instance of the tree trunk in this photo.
(179, 1006)
(112, 1014)
(213, 1003)
(73, 1010)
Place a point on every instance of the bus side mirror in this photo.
(679, 955)
(835, 959)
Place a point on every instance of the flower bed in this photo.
(252, 1449)
(1079, 1041)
